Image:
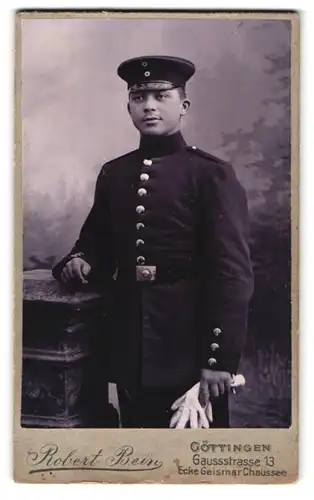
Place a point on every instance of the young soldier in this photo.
(171, 222)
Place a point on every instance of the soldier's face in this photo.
(157, 112)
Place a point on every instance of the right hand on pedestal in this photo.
(76, 269)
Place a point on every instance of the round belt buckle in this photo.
(146, 274)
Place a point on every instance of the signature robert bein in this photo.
(50, 458)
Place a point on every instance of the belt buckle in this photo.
(145, 273)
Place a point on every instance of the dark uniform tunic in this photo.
(182, 211)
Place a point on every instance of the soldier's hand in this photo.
(213, 384)
(76, 269)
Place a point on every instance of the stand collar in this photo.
(157, 146)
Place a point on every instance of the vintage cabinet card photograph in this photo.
(156, 249)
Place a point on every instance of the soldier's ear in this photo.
(185, 106)
(128, 106)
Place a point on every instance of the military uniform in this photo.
(172, 222)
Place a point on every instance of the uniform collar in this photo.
(156, 146)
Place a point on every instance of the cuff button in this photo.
(216, 331)
(212, 361)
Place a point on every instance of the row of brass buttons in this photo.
(214, 346)
(140, 209)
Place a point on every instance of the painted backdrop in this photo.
(75, 119)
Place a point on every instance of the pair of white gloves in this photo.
(188, 410)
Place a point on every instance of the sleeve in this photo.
(95, 242)
(228, 276)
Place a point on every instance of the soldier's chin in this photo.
(152, 132)
(149, 130)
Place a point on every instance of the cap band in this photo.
(152, 85)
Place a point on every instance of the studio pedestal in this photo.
(64, 375)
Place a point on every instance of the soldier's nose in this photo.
(150, 104)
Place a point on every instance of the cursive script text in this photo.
(50, 458)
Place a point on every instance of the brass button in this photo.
(142, 192)
(214, 346)
(147, 162)
(139, 242)
(144, 63)
(140, 209)
(140, 260)
(147, 73)
(139, 225)
(212, 361)
(216, 331)
(144, 177)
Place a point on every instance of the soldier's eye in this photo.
(161, 96)
(137, 98)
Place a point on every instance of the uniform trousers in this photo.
(151, 407)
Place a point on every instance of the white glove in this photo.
(237, 382)
(188, 409)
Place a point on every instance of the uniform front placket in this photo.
(143, 272)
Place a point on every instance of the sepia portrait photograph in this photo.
(155, 159)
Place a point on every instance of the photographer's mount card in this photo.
(156, 255)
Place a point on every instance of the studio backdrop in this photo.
(74, 119)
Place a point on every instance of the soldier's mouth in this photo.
(151, 119)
